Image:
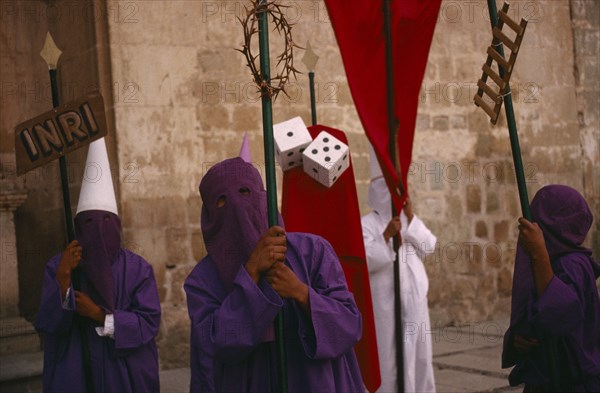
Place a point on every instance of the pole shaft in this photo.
(313, 103)
(62, 164)
(273, 217)
(392, 142)
(512, 126)
(64, 180)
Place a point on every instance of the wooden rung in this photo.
(488, 90)
(523, 24)
(495, 77)
(511, 23)
(519, 38)
(499, 59)
(484, 105)
(505, 40)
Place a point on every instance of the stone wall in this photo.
(183, 99)
(463, 172)
(193, 100)
(78, 30)
(585, 17)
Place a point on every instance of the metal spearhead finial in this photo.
(310, 58)
(50, 52)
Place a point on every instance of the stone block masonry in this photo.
(182, 99)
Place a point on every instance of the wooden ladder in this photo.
(505, 67)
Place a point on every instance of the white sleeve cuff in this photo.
(108, 330)
(65, 303)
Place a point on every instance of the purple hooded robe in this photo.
(566, 316)
(232, 349)
(129, 361)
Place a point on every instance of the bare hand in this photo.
(270, 249)
(285, 282)
(87, 308)
(392, 228)
(69, 260)
(531, 238)
(524, 345)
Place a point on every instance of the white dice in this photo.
(326, 158)
(291, 138)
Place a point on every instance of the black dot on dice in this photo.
(290, 133)
(290, 154)
(325, 149)
(301, 150)
(345, 157)
(335, 177)
(325, 139)
(277, 151)
(339, 167)
(315, 170)
(291, 163)
(301, 160)
(337, 147)
(327, 158)
(314, 151)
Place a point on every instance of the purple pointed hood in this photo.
(99, 234)
(232, 231)
(565, 218)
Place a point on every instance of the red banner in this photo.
(358, 26)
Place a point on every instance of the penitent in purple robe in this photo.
(127, 363)
(565, 318)
(231, 348)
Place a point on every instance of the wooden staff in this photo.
(273, 216)
(50, 53)
(393, 126)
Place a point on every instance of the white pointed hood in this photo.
(97, 191)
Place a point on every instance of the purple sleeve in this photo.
(138, 325)
(52, 317)
(509, 354)
(336, 322)
(230, 330)
(560, 308)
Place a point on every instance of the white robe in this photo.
(417, 241)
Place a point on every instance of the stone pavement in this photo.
(466, 359)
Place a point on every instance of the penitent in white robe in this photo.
(417, 241)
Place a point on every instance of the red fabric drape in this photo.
(358, 26)
(333, 213)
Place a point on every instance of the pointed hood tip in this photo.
(97, 190)
(245, 152)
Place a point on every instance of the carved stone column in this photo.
(16, 334)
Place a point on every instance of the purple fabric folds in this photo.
(565, 218)
(231, 314)
(227, 351)
(232, 231)
(127, 363)
(99, 234)
(566, 316)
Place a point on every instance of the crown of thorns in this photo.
(286, 59)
